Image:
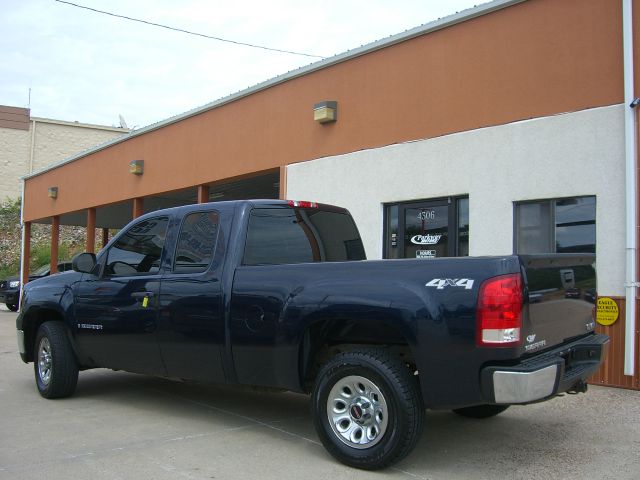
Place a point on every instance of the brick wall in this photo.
(54, 141)
(14, 160)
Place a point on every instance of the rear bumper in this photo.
(563, 369)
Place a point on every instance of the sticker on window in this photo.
(425, 239)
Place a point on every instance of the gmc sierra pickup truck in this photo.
(278, 294)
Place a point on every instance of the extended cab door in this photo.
(191, 330)
(264, 350)
(116, 305)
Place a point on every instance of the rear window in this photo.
(301, 235)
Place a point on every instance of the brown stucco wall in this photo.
(612, 371)
(29, 144)
(533, 59)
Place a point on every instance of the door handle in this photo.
(142, 294)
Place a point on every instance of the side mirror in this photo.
(84, 262)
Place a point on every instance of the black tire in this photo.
(12, 307)
(481, 411)
(55, 364)
(385, 411)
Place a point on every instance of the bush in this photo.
(71, 241)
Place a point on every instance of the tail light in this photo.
(499, 312)
(302, 204)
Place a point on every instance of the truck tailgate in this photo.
(561, 290)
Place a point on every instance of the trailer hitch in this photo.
(580, 387)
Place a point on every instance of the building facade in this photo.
(507, 128)
(29, 144)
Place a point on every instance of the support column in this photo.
(55, 241)
(138, 207)
(91, 230)
(203, 193)
(105, 237)
(283, 183)
(26, 253)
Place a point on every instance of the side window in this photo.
(301, 235)
(565, 225)
(138, 250)
(196, 242)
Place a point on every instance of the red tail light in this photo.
(499, 312)
(302, 204)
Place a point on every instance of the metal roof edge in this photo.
(425, 29)
(93, 126)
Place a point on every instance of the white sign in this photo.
(426, 239)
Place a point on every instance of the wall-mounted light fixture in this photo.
(136, 167)
(325, 112)
(52, 192)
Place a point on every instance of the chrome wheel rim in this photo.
(357, 412)
(44, 361)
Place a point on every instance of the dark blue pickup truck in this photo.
(278, 294)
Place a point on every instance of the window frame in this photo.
(552, 219)
(183, 220)
(452, 203)
(104, 260)
(325, 208)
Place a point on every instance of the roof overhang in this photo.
(425, 29)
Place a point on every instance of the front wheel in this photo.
(12, 307)
(367, 408)
(55, 365)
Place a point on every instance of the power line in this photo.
(189, 32)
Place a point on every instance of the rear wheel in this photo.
(367, 408)
(55, 365)
(12, 307)
(481, 411)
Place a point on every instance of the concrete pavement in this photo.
(126, 426)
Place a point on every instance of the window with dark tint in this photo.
(427, 229)
(301, 235)
(138, 250)
(463, 227)
(565, 225)
(196, 242)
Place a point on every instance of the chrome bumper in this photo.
(523, 387)
(564, 368)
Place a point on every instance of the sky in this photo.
(73, 64)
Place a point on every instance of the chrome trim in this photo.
(522, 387)
(21, 347)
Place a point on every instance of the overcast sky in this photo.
(89, 67)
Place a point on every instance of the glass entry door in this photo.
(426, 231)
(427, 228)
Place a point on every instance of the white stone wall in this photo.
(573, 154)
(54, 141)
(14, 161)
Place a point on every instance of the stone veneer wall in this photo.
(53, 142)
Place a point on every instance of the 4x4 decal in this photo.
(441, 283)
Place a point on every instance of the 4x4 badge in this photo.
(441, 283)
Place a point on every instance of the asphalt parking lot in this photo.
(126, 426)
